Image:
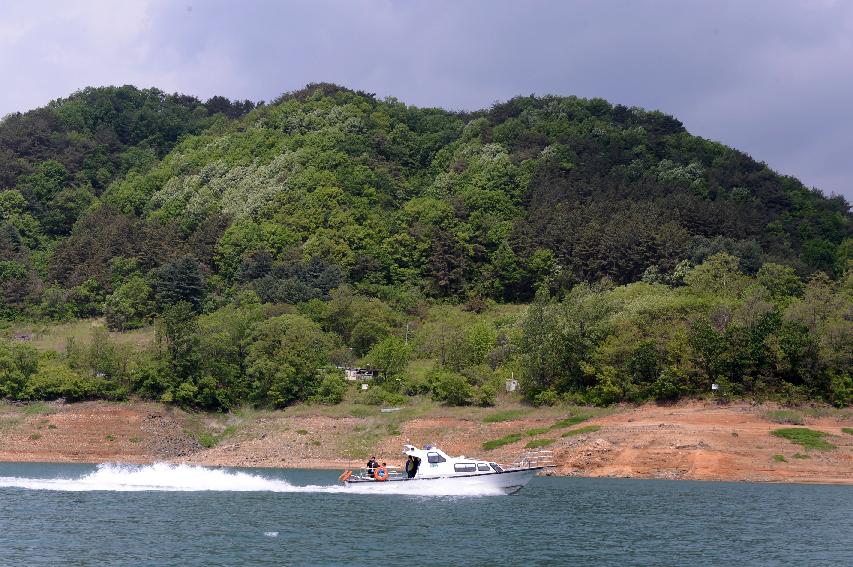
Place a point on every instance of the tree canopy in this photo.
(333, 217)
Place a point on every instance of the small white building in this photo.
(360, 374)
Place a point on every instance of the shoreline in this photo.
(341, 467)
(686, 441)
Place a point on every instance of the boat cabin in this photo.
(432, 461)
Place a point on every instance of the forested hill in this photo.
(327, 186)
(273, 242)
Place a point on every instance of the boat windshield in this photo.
(496, 466)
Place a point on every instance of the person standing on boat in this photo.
(412, 466)
(372, 465)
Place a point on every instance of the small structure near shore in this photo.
(360, 374)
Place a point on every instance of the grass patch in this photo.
(536, 443)
(801, 456)
(302, 431)
(54, 337)
(109, 438)
(785, 416)
(582, 430)
(506, 440)
(51, 426)
(505, 415)
(570, 421)
(35, 436)
(38, 408)
(808, 438)
(135, 439)
(206, 439)
(847, 430)
(393, 429)
(362, 411)
(537, 431)
(9, 422)
(210, 430)
(209, 440)
(780, 458)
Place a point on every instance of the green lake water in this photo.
(52, 514)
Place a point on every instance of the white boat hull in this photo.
(506, 482)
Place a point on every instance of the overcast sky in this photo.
(773, 78)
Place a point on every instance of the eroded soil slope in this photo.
(687, 441)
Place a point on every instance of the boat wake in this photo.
(164, 477)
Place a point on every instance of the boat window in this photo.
(483, 467)
(465, 467)
(435, 458)
(497, 467)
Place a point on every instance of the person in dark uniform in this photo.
(372, 465)
(412, 465)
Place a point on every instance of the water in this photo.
(182, 515)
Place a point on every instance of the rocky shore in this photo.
(694, 440)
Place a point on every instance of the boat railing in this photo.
(534, 459)
(364, 472)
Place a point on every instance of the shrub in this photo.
(605, 392)
(451, 388)
(185, 394)
(379, 396)
(415, 385)
(546, 398)
(780, 458)
(130, 305)
(667, 387)
(55, 380)
(841, 390)
(486, 395)
(17, 364)
(330, 390)
(149, 379)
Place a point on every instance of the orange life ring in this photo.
(381, 473)
(345, 476)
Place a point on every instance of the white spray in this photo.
(163, 477)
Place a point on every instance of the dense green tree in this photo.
(390, 356)
(180, 280)
(17, 364)
(130, 305)
(285, 360)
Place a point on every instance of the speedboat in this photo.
(434, 466)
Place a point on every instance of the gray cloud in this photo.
(772, 78)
